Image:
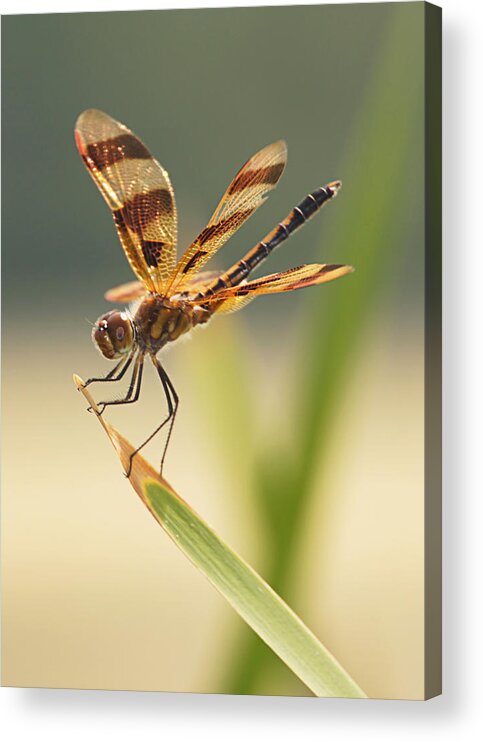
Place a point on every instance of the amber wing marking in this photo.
(290, 280)
(133, 290)
(126, 292)
(137, 190)
(245, 194)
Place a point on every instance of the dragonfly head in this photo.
(113, 334)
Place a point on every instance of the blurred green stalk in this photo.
(363, 235)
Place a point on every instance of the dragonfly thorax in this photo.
(159, 321)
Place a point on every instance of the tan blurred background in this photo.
(300, 432)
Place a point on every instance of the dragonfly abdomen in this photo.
(297, 218)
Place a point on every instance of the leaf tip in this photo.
(78, 381)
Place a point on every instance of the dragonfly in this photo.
(171, 297)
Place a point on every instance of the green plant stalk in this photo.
(253, 599)
(284, 478)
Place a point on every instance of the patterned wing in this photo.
(198, 282)
(137, 190)
(128, 292)
(245, 194)
(294, 278)
(234, 303)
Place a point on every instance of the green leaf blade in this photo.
(240, 585)
(250, 596)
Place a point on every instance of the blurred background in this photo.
(300, 431)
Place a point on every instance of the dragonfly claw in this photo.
(98, 411)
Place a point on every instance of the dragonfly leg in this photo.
(172, 400)
(134, 386)
(173, 417)
(113, 375)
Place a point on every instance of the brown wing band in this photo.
(110, 151)
(265, 175)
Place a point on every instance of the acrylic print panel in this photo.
(307, 433)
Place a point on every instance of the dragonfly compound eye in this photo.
(113, 334)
